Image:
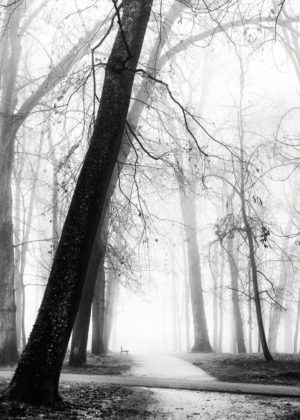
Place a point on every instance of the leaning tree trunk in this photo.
(154, 66)
(238, 322)
(37, 376)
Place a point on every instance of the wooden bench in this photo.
(124, 351)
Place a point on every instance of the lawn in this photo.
(249, 368)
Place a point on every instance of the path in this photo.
(175, 392)
(169, 372)
(166, 366)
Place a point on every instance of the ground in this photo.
(94, 401)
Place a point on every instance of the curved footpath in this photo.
(175, 383)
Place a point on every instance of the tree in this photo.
(80, 335)
(14, 26)
(37, 375)
(188, 206)
(238, 322)
(10, 48)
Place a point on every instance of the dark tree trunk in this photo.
(82, 322)
(98, 313)
(133, 118)
(37, 376)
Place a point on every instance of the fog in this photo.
(214, 152)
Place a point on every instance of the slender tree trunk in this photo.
(288, 328)
(297, 325)
(37, 376)
(214, 268)
(276, 311)
(110, 301)
(250, 322)
(10, 48)
(260, 323)
(18, 234)
(82, 322)
(186, 301)
(98, 313)
(201, 338)
(221, 299)
(248, 230)
(237, 316)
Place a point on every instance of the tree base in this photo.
(45, 394)
(201, 348)
(77, 359)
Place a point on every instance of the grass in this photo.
(249, 368)
(108, 364)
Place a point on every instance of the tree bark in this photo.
(37, 376)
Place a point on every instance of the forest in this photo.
(149, 184)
